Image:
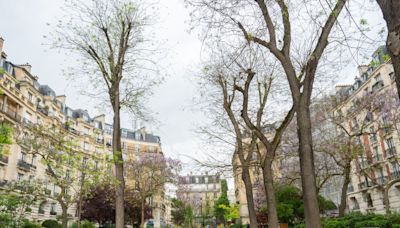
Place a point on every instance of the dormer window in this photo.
(378, 78)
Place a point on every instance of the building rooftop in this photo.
(46, 90)
(365, 71)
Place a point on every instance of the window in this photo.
(67, 175)
(376, 151)
(86, 131)
(41, 207)
(20, 176)
(396, 169)
(369, 200)
(124, 133)
(53, 209)
(381, 176)
(369, 117)
(28, 116)
(354, 203)
(30, 97)
(391, 75)
(373, 134)
(85, 145)
(23, 157)
(378, 77)
(33, 160)
(358, 140)
(109, 142)
(390, 143)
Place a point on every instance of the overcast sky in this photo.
(23, 25)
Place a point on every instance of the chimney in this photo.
(3, 55)
(362, 69)
(27, 67)
(61, 98)
(1, 44)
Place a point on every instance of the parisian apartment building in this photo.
(23, 100)
(377, 168)
(200, 191)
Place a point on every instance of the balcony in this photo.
(3, 160)
(71, 129)
(387, 129)
(381, 180)
(396, 175)
(100, 141)
(43, 110)
(377, 158)
(53, 213)
(3, 183)
(26, 122)
(391, 152)
(10, 113)
(364, 185)
(377, 86)
(24, 165)
(47, 192)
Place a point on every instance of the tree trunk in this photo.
(118, 162)
(142, 208)
(249, 196)
(391, 14)
(78, 223)
(343, 195)
(386, 201)
(64, 215)
(306, 154)
(273, 221)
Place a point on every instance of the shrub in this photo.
(358, 220)
(372, 223)
(51, 224)
(394, 218)
(336, 224)
(301, 225)
(28, 224)
(84, 224)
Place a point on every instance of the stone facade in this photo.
(200, 191)
(24, 101)
(378, 165)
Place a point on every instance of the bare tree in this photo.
(274, 33)
(150, 173)
(391, 14)
(339, 142)
(108, 37)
